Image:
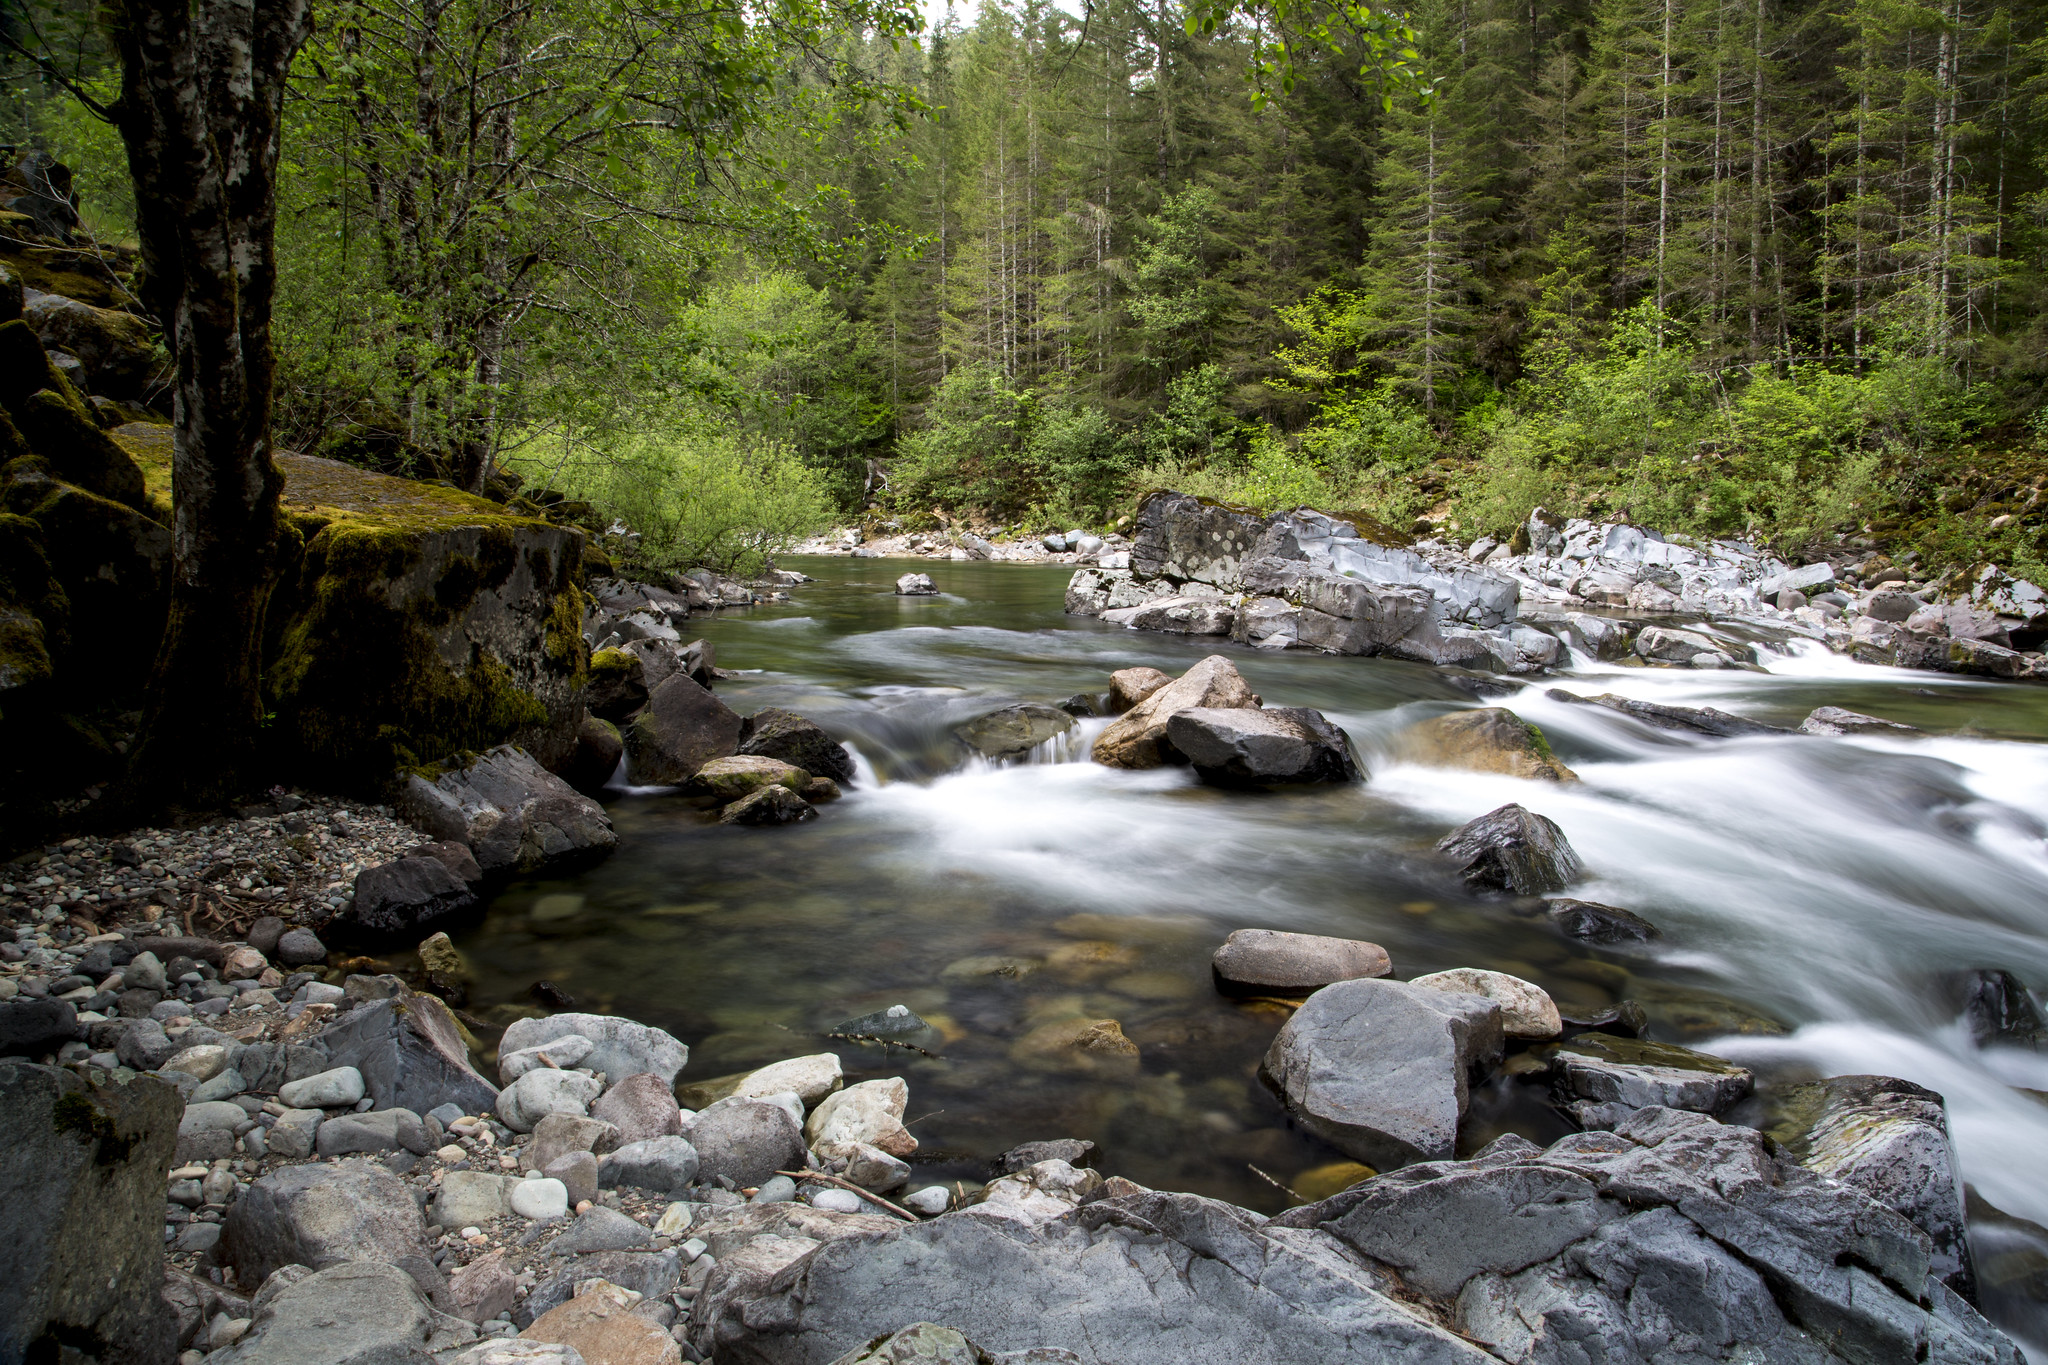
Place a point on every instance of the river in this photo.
(1818, 898)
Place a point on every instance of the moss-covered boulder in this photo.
(34, 612)
(56, 425)
(114, 564)
(117, 348)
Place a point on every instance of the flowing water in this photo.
(1817, 897)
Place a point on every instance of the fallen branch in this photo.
(1284, 1189)
(869, 1195)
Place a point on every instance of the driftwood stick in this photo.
(849, 1185)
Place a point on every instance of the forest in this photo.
(1763, 268)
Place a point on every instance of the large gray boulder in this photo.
(1275, 746)
(515, 816)
(34, 1028)
(1379, 1068)
(364, 1313)
(1889, 1138)
(321, 1215)
(410, 1052)
(81, 1216)
(772, 732)
(682, 728)
(1138, 1279)
(624, 1048)
(746, 1141)
(1188, 539)
(1512, 849)
(404, 900)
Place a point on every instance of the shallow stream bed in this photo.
(1818, 898)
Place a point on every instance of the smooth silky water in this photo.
(1817, 897)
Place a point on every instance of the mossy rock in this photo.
(56, 425)
(75, 274)
(115, 567)
(34, 612)
(1490, 739)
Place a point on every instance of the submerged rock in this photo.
(1262, 747)
(1378, 1068)
(1492, 739)
(1137, 739)
(1998, 1008)
(1272, 962)
(1703, 720)
(768, 806)
(1512, 849)
(1014, 731)
(1597, 923)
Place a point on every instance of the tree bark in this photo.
(201, 86)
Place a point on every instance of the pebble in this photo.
(776, 1190)
(835, 1201)
(931, 1201)
(539, 1199)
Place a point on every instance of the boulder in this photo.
(1599, 1078)
(768, 806)
(618, 684)
(1659, 644)
(300, 948)
(915, 585)
(600, 1326)
(810, 1079)
(1834, 720)
(731, 779)
(624, 1048)
(773, 732)
(1189, 539)
(1379, 1069)
(1597, 923)
(116, 348)
(544, 1091)
(1272, 962)
(746, 1141)
(319, 1216)
(683, 728)
(1526, 1009)
(81, 1216)
(1205, 614)
(356, 1314)
(1514, 850)
(1248, 747)
(381, 1130)
(32, 1028)
(1492, 739)
(641, 1106)
(410, 1052)
(594, 761)
(1998, 1008)
(871, 1112)
(665, 1165)
(1137, 739)
(515, 816)
(405, 899)
(1014, 731)
(1890, 1139)
(1129, 686)
(1135, 1279)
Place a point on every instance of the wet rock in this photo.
(1512, 849)
(410, 1052)
(447, 974)
(1247, 747)
(1129, 686)
(1834, 720)
(768, 806)
(1526, 1009)
(1096, 1045)
(1593, 922)
(1998, 1008)
(594, 760)
(1492, 739)
(1119, 1281)
(1889, 1138)
(731, 779)
(773, 732)
(1600, 1078)
(81, 1214)
(1076, 1152)
(515, 816)
(1659, 644)
(746, 1141)
(1273, 962)
(1378, 1068)
(871, 1112)
(624, 1048)
(347, 1315)
(1014, 731)
(1624, 1019)
(1704, 720)
(916, 585)
(1137, 739)
(404, 899)
(319, 1216)
(618, 684)
(897, 1023)
(544, 1091)
(640, 1107)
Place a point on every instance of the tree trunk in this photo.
(200, 89)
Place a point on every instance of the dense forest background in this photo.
(1770, 268)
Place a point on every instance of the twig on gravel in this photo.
(849, 1185)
